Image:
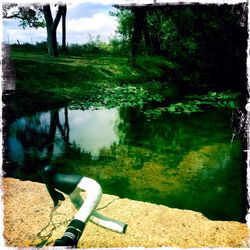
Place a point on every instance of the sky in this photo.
(84, 20)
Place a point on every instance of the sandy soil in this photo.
(30, 220)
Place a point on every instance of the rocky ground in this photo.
(31, 220)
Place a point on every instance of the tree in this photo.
(29, 15)
(36, 16)
(122, 41)
(139, 27)
(52, 25)
(133, 27)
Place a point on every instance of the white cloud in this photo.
(99, 22)
(30, 35)
(104, 2)
(77, 29)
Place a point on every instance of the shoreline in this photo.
(149, 225)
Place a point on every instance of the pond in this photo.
(181, 161)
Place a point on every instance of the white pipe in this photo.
(88, 211)
(108, 223)
(94, 195)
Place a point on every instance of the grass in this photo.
(42, 80)
(104, 66)
(36, 70)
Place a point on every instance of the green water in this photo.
(182, 161)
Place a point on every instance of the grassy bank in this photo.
(44, 82)
(41, 79)
(39, 71)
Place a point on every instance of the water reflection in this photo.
(46, 134)
(92, 130)
(186, 162)
(29, 139)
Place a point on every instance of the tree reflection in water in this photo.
(31, 143)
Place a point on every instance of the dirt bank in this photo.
(30, 220)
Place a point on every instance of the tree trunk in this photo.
(146, 32)
(52, 134)
(51, 28)
(64, 12)
(66, 125)
(156, 45)
(49, 23)
(139, 28)
(136, 37)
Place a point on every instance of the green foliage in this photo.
(208, 41)
(95, 45)
(29, 15)
(125, 18)
(199, 103)
(117, 96)
(188, 107)
(118, 46)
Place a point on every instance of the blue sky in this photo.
(84, 19)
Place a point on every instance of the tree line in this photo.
(209, 39)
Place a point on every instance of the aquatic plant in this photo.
(118, 96)
(199, 103)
